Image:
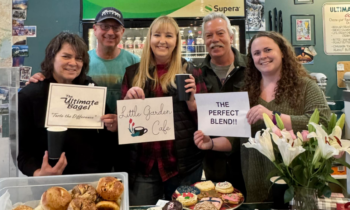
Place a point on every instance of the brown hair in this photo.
(289, 86)
(55, 45)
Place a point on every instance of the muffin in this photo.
(55, 198)
(84, 191)
(110, 188)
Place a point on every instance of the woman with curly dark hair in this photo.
(276, 83)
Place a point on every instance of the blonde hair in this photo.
(148, 60)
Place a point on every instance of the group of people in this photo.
(270, 73)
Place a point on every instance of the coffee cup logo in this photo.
(140, 130)
(136, 131)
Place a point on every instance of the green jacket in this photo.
(220, 166)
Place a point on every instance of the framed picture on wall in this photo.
(303, 30)
(303, 1)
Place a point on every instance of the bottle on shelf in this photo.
(121, 44)
(129, 45)
(143, 42)
(183, 43)
(190, 44)
(137, 46)
(200, 45)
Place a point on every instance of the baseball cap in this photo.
(110, 13)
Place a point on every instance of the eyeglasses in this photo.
(106, 27)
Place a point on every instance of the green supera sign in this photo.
(134, 8)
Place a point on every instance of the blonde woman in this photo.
(160, 167)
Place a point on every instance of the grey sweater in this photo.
(255, 166)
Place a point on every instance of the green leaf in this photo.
(317, 165)
(341, 121)
(331, 123)
(329, 178)
(274, 172)
(341, 161)
(326, 191)
(289, 194)
(315, 118)
(324, 128)
(279, 121)
(298, 171)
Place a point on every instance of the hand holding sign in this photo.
(135, 93)
(110, 121)
(256, 113)
(202, 141)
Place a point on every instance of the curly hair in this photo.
(289, 86)
(55, 45)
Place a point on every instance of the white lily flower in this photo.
(286, 135)
(334, 138)
(326, 149)
(262, 143)
(288, 151)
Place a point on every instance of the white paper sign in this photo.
(336, 26)
(223, 114)
(145, 120)
(75, 106)
(340, 67)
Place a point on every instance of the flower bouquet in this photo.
(303, 161)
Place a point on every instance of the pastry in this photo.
(23, 207)
(217, 202)
(81, 204)
(110, 188)
(206, 205)
(224, 187)
(84, 191)
(185, 189)
(55, 198)
(205, 186)
(210, 193)
(107, 205)
(232, 198)
(187, 199)
(173, 205)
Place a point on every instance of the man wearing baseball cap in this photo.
(107, 61)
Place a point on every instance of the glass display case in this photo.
(9, 84)
(193, 46)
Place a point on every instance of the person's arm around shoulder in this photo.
(36, 78)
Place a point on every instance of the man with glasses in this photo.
(107, 61)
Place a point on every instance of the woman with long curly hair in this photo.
(276, 83)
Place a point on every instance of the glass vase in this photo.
(305, 199)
